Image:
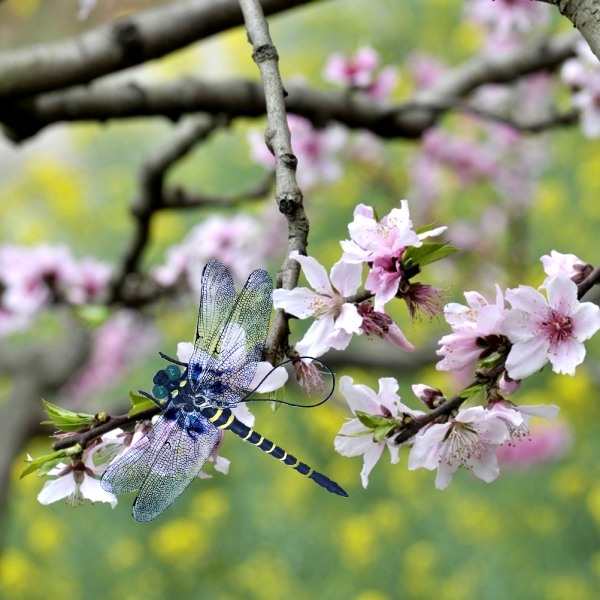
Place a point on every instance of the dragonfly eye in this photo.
(159, 392)
(173, 372)
(160, 378)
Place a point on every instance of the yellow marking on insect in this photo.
(216, 416)
(294, 464)
(250, 432)
(182, 383)
(271, 449)
(228, 423)
(259, 441)
(310, 472)
(284, 456)
(174, 393)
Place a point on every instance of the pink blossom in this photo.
(548, 329)
(582, 74)
(425, 69)
(382, 243)
(241, 242)
(382, 325)
(476, 330)
(506, 17)
(358, 72)
(335, 319)
(124, 339)
(568, 264)
(544, 444)
(468, 440)
(430, 396)
(355, 438)
(315, 149)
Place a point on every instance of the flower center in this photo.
(461, 444)
(557, 327)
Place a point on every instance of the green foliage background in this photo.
(263, 532)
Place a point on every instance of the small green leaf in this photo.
(43, 464)
(381, 433)
(66, 420)
(140, 404)
(471, 391)
(374, 421)
(426, 254)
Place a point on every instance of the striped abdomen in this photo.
(223, 418)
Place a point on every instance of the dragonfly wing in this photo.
(129, 471)
(217, 299)
(242, 340)
(178, 460)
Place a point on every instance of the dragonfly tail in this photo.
(223, 418)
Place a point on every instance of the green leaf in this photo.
(66, 420)
(140, 404)
(381, 433)
(43, 463)
(426, 254)
(471, 391)
(374, 421)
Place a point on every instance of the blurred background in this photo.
(263, 532)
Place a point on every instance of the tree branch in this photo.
(119, 45)
(151, 193)
(585, 16)
(277, 137)
(107, 100)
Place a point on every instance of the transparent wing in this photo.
(163, 463)
(231, 369)
(217, 299)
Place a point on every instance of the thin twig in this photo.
(277, 137)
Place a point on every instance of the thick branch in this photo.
(107, 100)
(116, 46)
(585, 16)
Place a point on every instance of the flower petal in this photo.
(315, 273)
(525, 358)
(300, 302)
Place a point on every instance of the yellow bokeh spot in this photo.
(467, 37)
(474, 521)
(573, 393)
(211, 504)
(180, 541)
(420, 559)
(550, 198)
(263, 576)
(45, 534)
(167, 227)
(573, 588)
(371, 595)
(541, 519)
(587, 172)
(125, 553)
(61, 186)
(23, 8)
(388, 516)
(593, 503)
(17, 573)
(569, 483)
(358, 541)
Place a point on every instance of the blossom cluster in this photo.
(510, 342)
(32, 279)
(338, 312)
(582, 75)
(239, 242)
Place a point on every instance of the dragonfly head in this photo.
(165, 381)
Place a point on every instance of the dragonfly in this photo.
(196, 398)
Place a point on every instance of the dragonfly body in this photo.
(197, 401)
